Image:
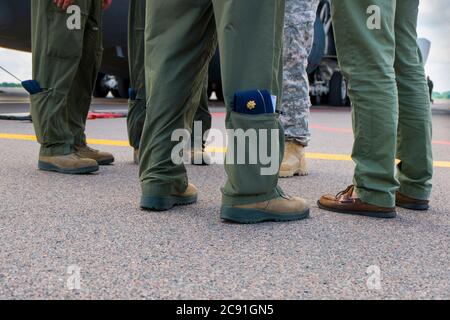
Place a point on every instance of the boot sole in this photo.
(252, 216)
(105, 162)
(415, 207)
(52, 168)
(200, 164)
(203, 164)
(165, 203)
(291, 174)
(380, 215)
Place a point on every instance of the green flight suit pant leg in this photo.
(387, 87)
(414, 140)
(136, 54)
(65, 64)
(137, 104)
(179, 47)
(202, 117)
(251, 54)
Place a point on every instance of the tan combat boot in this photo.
(102, 158)
(68, 164)
(278, 210)
(163, 203)
(294, 162)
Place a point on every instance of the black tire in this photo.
(209, 92)
(316, 100)
(116, 94)
(219, 93)
(123, 86)
(338, 91)
(100, 91)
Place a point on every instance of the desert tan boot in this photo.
(280, 209)
(294, 162)
(67, 164)
(163, 203)
(102, 158)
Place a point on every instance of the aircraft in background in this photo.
(327, 84)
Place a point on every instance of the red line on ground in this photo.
(447, 143)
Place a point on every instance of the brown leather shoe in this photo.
(406, 202)
(344, 203)
(294, 161)
(67, 164)
(102, 158)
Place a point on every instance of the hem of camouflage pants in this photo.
(303, 141)
(156, 189)
(61, 150)
(415, 193)
(246, 200)
(376, 198)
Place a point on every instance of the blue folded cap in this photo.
(132, 93)
(253, 102)
(32, 86)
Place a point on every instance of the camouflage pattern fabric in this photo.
(298, 41)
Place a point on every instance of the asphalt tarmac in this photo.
(84, 237)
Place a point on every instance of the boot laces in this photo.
(87, 148)
(345, 191)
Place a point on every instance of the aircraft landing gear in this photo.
(116, 85)
(101, 90)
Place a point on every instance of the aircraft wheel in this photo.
(338, 91)
(100, 90)
(209, 92)
(219, 94)
(122, 88)
(316, 100)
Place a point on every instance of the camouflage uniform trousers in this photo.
(298, 42)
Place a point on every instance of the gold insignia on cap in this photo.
(251, 105)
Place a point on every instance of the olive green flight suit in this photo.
(389, 93)
(136, 54)
(65, 64)
(181, 37)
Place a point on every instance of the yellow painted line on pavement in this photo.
(122, 143)
(26, 137)
(327, 156)
(442, 164)
(116, 143)
(17, 137)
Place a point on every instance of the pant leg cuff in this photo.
(376, 198)
(235, 200)
(302, 141)
(415, 193)
(56, 151)
(158, 189)
(80, 142)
